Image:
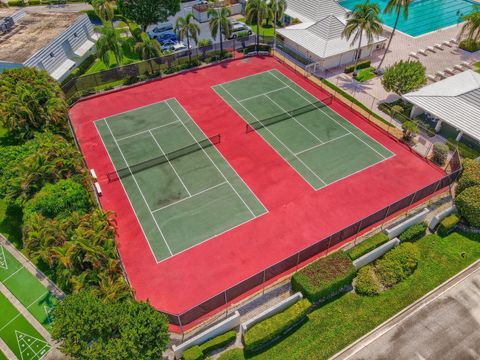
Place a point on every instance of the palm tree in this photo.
(219, 24)
(471, 28)
(110, 42)
(104, 9)
(147, 48)
(397, 6)
(186, 29)
(363, 20)
(257, 10)
(278, 8)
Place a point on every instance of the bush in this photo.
(34, 2)
(233, 354)
(367, 282)
(404, 76)
(447, 225)
(367, 245)
(217, 55)
(58, 200)
(204, 42)
(469, 45)
(252, 48)
(440, 153)
(413, 233)
(468, 204)
(410, 129)
(16, 3)
(325, 276)
(218, 342)
(470, 175)
(268, 330)
(193, 353)
(397, 264)
(361, 65)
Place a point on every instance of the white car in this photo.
(238, 27)
(157, 30)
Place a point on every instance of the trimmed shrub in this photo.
(361, 65)
(470, 175)
(325, 276)
(468, 204)
(16, 3)
(389, 272)
(397, 264)
(440, 153)
(218, 342)
(193, 353)
(261, 334)
(367, 245)
(413, 233)
(469, 45)
(447, 225)
(233, 354)
(367, 282)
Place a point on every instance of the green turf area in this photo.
(24, 341)
(2, 356)
(344, 319)
(365, 74)
(26, 288)
(179, 203)
(128, 57)
(319, 144)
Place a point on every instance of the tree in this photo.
(110, 42)
(148, 12)
(471, 28)
(398, 6)
(92, 329)
(278, 8)
(440, 153)
(363, 20)
(468, 205)
(219, 24)
(186, 29)
(147, 48)
(404, 76)
(105, 9)
(257, 11)
(410, 129)
(31, 101)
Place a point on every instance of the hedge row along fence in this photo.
(199, 352)
(367, 245)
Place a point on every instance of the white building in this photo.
(454, 101)
(318, 36)
(55, 42)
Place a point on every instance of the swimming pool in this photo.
(424, 16)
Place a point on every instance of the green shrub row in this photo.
(367, 245)
(361, 65)
(470, 175)
(253, 47)
(325, 276)
(367, 282)
(469, 45)
(263, 333)
(468, 205)
(198, 352)
(414, 232)
(447, 225)
(193, 353)
(233, 354)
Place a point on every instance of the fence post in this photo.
(181, 327)
(263, 283)
(358, 230)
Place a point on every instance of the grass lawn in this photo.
(265, 30)
(365, 74)
(128, 57)
(346, 318)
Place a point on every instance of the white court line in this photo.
(138, 187)
(243, 77)
(294, 118)
(286, 147)
(12, 320)
(189, 197)
(265, 93)
(248, 207)
(321, 109)
(145, 131)
(169, 163)
(319, 145)
(12, 274)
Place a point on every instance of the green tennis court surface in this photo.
(182, 190)
(26, 288)
(19, 335)
(319, 144)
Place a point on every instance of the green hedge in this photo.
(469, 45)
(361, 65)
(193, 353)
(325, 276)
(468, 204)
(233, 354)
(218, 342)
(16, 3)
(367, 245)
(470, 175)
(397, 264)
(252, 48)
(367, 282)
(413, 233)
(447, 225)
(261, 334)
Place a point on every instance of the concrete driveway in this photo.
(443, 325)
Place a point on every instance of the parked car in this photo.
(175, 46)
(237, 28)
(165, 36)
(159, 29)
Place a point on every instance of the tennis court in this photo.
(19, 335)
(26, 288)
(182, 190)
(319, 144)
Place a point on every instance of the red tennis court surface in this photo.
(297, 217)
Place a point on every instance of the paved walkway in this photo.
(444, 324)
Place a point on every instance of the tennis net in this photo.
(288, 115)
(144, 165)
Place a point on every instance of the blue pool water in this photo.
(424, 16)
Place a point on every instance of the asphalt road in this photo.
(445, 325)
